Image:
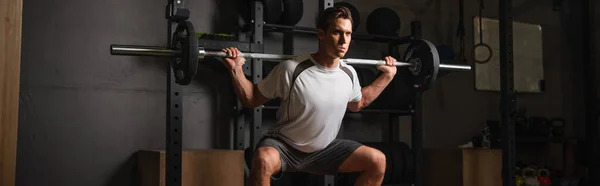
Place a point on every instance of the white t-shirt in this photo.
(313, 106)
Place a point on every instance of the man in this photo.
(315, 91)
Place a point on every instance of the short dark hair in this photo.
(329, 15)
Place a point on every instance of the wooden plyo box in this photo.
(482, 167)
(214, 167)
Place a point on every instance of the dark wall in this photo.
(84, 113)
(448, 126)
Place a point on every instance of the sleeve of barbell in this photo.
(455, 67)
(135, 50)
(354, 61)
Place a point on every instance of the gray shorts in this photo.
(326, 161)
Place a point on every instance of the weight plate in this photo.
(272, 11)
(398, 162)
(179, 43)
(353, 11)
(409, 164)
(389, 163)
(425, 55)
(383, 21)
(186, 64)
(244, 8)
(292, 12)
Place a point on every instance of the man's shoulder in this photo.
(289, 65)
(347, 67)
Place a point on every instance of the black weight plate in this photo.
(389, 163)
(353, 11)
(192, 52)
(185, 65)
(383, 21)
(398, 162)
(292, 12)
(409, 164)
(426, 54)
(272, 11)
(177, 64)
(244, 8)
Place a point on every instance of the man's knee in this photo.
(267, 160)
(376, 161)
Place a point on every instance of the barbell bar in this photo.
(138, 50)
(421, 57)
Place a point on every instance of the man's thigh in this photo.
(359, 160)
(330, 159)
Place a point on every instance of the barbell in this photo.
(421, 57)
(133, 50)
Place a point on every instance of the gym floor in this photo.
(73, 114)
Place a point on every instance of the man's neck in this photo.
(325, 60)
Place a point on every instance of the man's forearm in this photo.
(243, 87)
(371, 92)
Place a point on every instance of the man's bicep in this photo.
(354, 106)
(259, 97)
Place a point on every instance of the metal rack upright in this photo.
(175, 12)
(507, 98)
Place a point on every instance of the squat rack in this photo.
(176, 12)
(508, 99)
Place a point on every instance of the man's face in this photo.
(336, 39)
